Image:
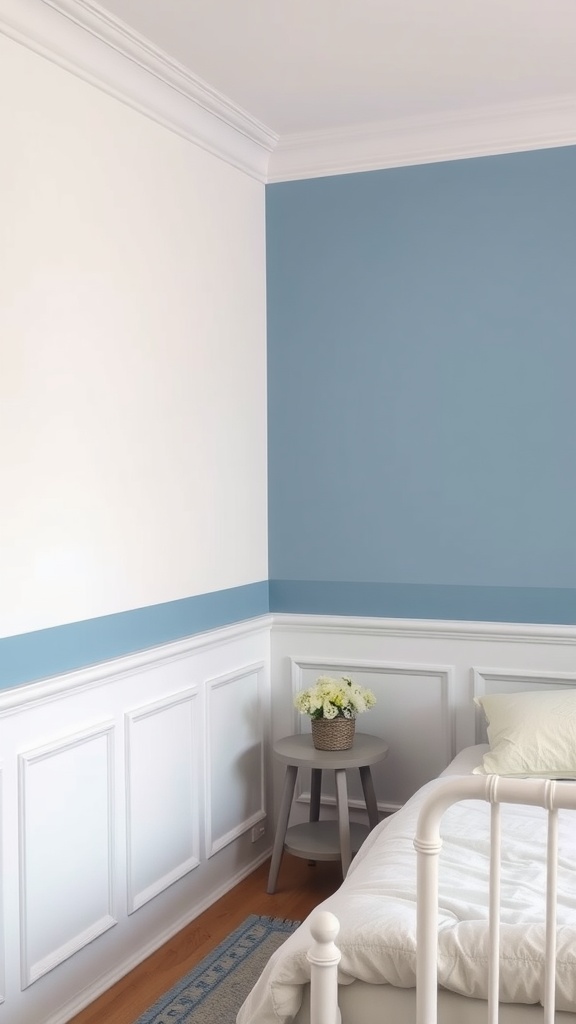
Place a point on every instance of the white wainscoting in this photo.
(129, 793)
(130, 790)
(410, 698)
(162, 797)
(425, 675)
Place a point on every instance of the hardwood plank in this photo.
(301, 887)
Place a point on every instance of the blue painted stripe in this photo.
(422, 601)
(49, 652)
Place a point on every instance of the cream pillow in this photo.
(530, 734)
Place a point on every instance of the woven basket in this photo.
(333, 733)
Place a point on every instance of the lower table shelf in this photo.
(324, 840)
(320, 840)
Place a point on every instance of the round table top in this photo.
(299, 750)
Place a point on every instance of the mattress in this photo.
(376, 907)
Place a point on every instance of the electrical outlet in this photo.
(257, 833)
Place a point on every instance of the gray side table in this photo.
(324, 840)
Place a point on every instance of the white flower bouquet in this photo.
(334, 698)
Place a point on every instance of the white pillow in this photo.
(530, 734)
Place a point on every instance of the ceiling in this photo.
(307, 66)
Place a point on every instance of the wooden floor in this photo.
(300, 887)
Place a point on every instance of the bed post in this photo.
(427, 930)
(324, 958)
(428, 844)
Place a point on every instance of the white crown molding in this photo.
(408, 141)
(84, 39)
(80, 37)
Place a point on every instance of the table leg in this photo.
(315, 790)
(369, 795)
(343, 819)
(285, 805)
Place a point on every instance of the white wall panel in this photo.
(423, 674)
(66, 849)
(162, 770)
(411, 700)
(235, 730)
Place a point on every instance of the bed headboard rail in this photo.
(552, 796)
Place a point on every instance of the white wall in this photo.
(132, 373)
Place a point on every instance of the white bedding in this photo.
(376, 907)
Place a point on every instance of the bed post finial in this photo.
(324, 957)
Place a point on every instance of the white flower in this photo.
(332, 698)
(329, 710)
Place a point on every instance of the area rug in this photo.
(213, 992)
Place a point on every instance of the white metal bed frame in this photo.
(553, 796)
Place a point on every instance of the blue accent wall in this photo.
(49, 652)
(421, 361)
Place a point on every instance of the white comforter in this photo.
(376, 907)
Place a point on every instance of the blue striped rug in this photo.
(214, 990)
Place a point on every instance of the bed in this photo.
(532, 736)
